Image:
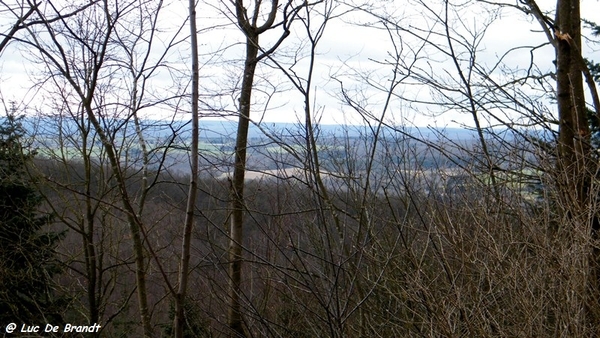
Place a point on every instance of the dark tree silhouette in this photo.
(27, 256)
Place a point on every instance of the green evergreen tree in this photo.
(27, 249)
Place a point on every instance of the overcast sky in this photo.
(353, 52)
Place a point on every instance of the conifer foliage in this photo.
(27, 256)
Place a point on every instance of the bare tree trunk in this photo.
(574, 131)
(251, 30)
(88, 239)
(574, 149)
(135, 224)
(237, 187)
(192, 193)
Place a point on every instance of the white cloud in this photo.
(346, 51)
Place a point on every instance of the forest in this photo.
(299, 168)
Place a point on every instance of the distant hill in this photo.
(226, 130)
(212, 129)
(273, 146)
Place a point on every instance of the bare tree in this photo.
(575, 166)
(83, 53)
(252, 29)
(474, 87)
(180, 297)
(23, 13)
